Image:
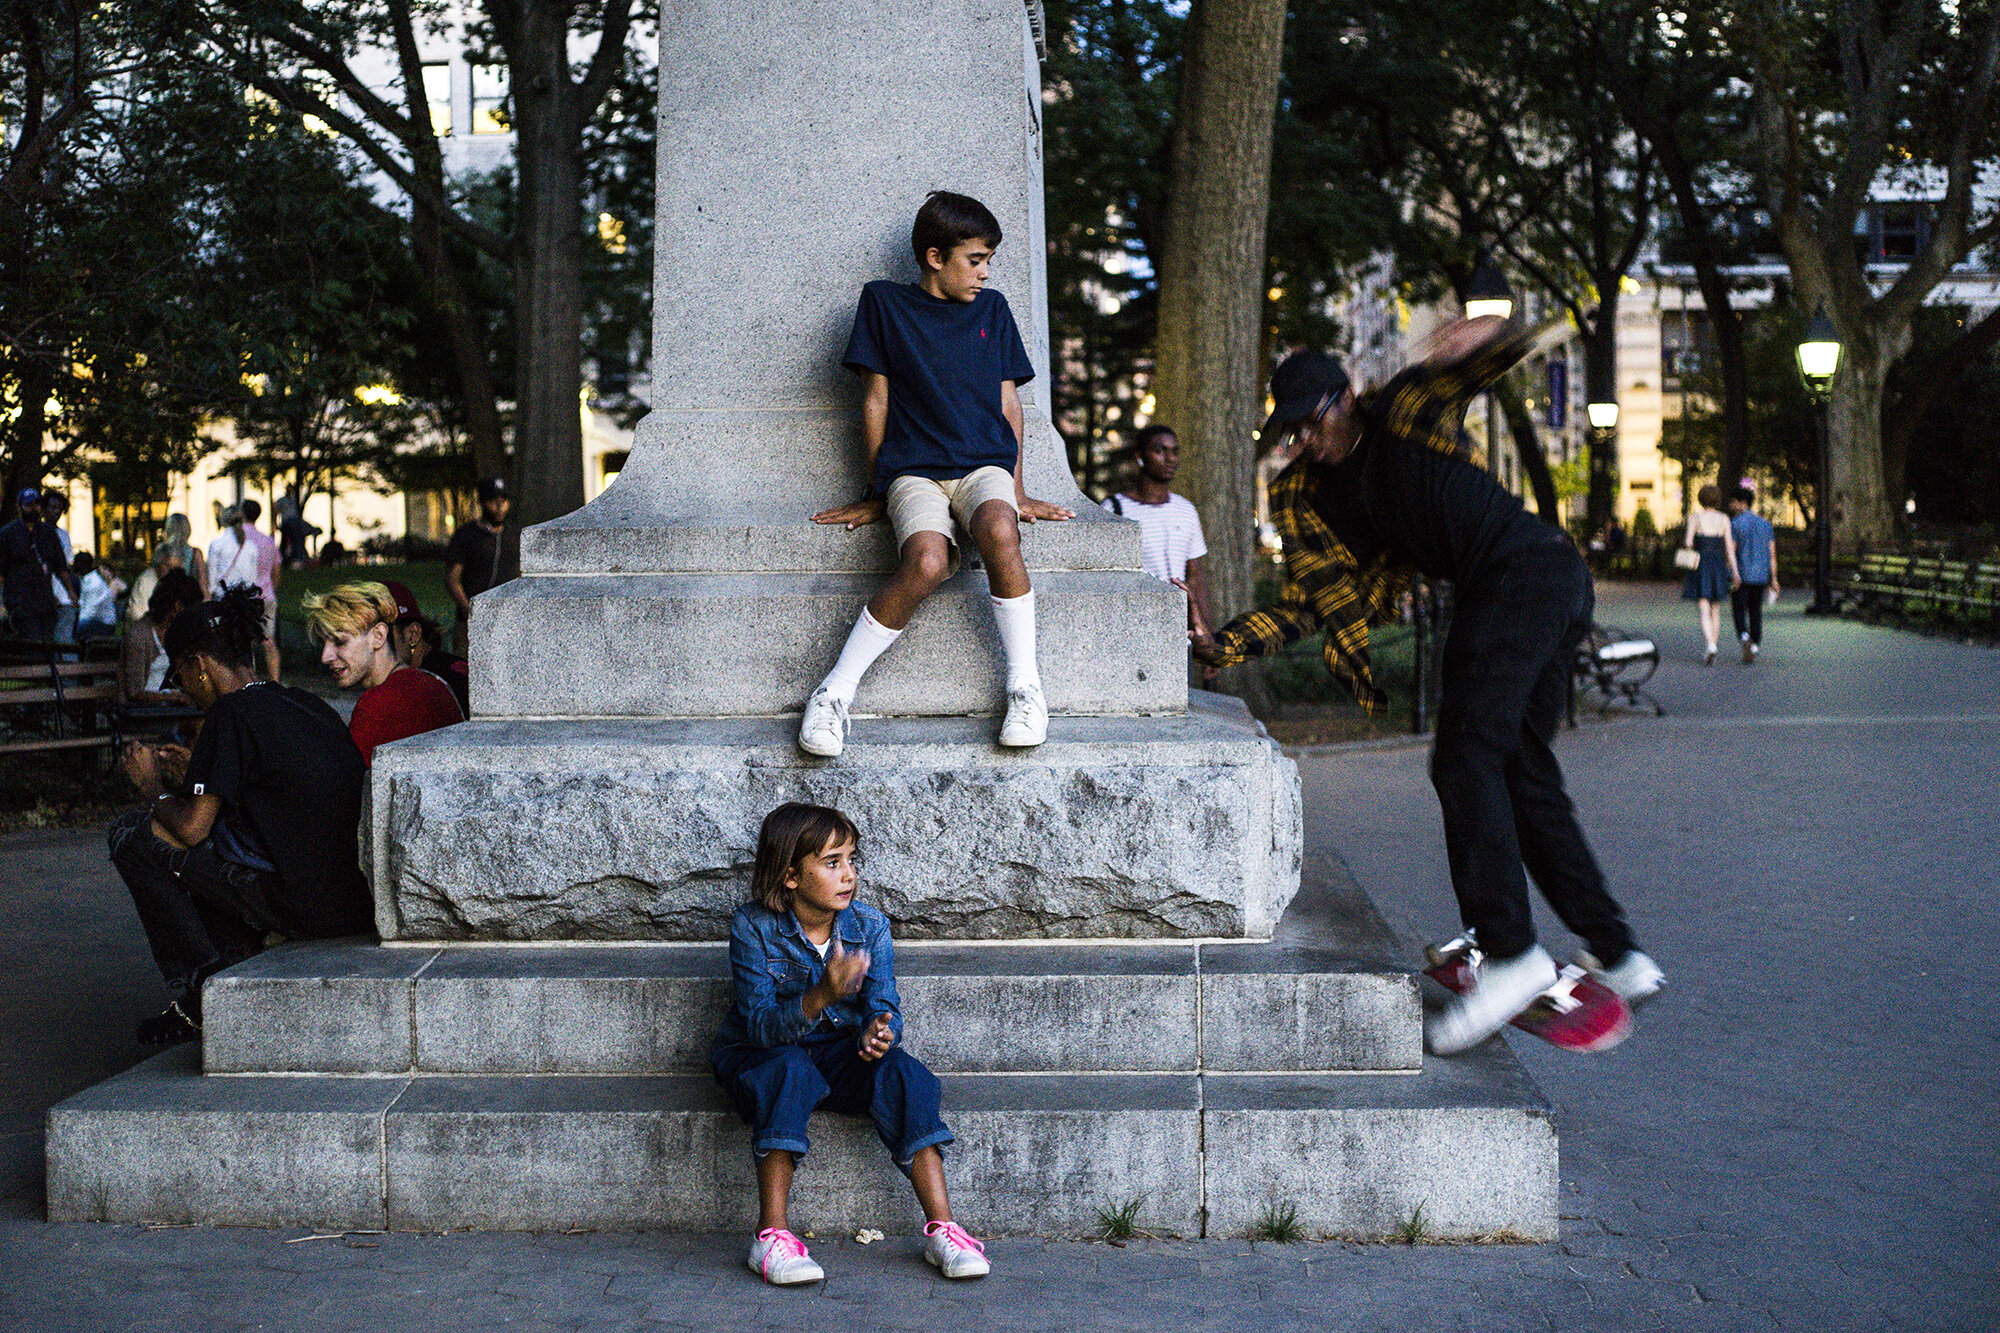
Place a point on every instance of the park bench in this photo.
(48, 703)
(1929, 590)
(1616, 664)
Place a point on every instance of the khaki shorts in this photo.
(920, 504)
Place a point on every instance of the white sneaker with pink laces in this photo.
(953, 1251)
(780, 1258)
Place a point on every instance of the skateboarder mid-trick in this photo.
(1383, 486)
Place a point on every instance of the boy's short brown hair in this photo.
(947, 221)
(791, 833)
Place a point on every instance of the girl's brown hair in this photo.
(1709, 497)
(792, 833)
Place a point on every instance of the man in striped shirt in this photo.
(1171, 548)
(1384, 485)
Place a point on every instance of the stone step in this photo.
(753, 645)
(643, 829)
(663, 539)
(1469, 1140)
(359, 1008)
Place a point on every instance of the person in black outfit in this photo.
(483, 553)
(255, 836)
(30, 554)
(1384, 485)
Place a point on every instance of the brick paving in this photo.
(1802, 1135)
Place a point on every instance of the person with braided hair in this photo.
(249, 835)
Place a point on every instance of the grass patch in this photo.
(1414, 1229)
(1279, 1222)
(1120, 1221)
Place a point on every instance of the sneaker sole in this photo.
(834, 753)
(955, 1277)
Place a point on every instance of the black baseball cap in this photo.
(1300, 384)
(492, 488)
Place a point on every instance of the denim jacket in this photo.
(774, 965)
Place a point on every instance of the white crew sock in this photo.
(1016, 618)
(868, 640)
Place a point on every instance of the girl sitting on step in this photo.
(815, 1026)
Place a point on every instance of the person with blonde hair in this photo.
(354, 624)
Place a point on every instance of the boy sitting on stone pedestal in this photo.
(941, 416)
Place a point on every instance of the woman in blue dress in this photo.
(1708, 583)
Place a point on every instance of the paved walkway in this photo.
(1803, 1135)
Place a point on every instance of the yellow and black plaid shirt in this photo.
(1324, 585)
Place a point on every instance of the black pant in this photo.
(200, 912)
(1746, 605)
(1505, 670)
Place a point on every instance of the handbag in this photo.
(1686, 557)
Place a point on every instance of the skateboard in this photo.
(1578, 1013)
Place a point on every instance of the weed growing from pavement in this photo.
(1279, 1222)
(1120, 1221)
(1414, 1229)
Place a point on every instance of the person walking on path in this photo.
(1710, 582)
(484, 553)
(1757, 570)
(255, 835)
(1383, 485)
(1171, 548)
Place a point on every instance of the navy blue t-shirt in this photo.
(945, 361)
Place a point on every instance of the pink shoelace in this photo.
(956, 1234)
(783, 1243)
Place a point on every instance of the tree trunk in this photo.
(548, 272)
(25, 462)
(1861, 504)
(467, 334)
(1600, 380)
(1528, 444)
(1926, 385)
(1207, 382)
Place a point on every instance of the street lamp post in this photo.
(1819, 358)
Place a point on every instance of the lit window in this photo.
(489, 99)
(437, 91)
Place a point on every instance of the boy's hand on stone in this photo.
(845, 971)
(877, 1038)
(857, 515)
(1033, 510)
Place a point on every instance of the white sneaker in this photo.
(953, 1251)
(823, 730)
(1027, 720)
(1637, 978)
(1500, 990)
(780, 1258)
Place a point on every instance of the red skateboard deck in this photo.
(1578, 1013)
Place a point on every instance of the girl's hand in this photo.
(877, 1038)
(857, 515)
(844, 971)
(1032, 510)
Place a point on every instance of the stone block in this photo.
(1033, 1155)
(741, 645)
(1469, 1140)
(627, 1010)
(643, 829)
(161, 1143)
(328, 1006)
(633, 530)
(1293, 1008)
